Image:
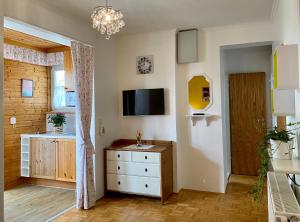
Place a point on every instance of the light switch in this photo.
(102, 131)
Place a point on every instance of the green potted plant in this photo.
(276, 143)
(57, 120)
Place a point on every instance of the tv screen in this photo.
(143, 102)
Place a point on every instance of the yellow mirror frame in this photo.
(200, 88)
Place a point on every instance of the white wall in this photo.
(162, 46)
(202, 148)
(39, 14)
(1, 114)
(286, 23)
(106, 104)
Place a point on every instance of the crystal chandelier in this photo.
(107, 20)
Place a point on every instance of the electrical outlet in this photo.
(203, 181)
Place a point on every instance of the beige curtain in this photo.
(83, 64)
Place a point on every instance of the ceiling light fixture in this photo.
(107, 20)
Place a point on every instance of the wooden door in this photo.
(42, 158)
(66, 160)
(247, 115)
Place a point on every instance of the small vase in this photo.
(138, 142)
(57, 129)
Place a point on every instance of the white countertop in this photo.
(286, 166)
(52, 135)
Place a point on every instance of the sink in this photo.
(142, 147)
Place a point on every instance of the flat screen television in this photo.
(142, 102)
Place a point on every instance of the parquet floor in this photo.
(27, 203)
(187, 206)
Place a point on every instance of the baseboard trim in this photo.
(13, 184)
(50, 183)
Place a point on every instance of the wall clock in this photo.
(144, 64)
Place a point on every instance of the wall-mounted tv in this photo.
(142, 102)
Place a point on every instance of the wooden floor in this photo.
(28, 203)
(187, 206)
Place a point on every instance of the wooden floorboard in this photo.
(28, 203)
(187, 206)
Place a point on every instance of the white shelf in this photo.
(286, 166)
(205, 117)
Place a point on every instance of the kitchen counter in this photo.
(51, 135)
(286, 166)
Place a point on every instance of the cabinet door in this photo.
(66, 160)
(286, 67)
(42, 158)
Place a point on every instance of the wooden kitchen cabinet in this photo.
(66, 160)
(43, 158)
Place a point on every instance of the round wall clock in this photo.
(145, 64)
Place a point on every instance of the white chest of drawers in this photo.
(142, 172)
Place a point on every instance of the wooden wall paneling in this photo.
(23, 45)
(28, 40)
(30, 112)
(49, 183)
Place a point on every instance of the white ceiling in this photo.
(153, 15)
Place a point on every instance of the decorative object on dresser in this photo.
(58, 120)
(145, 170)
(138, 138)
(144, 64)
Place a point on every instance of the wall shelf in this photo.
(206, 117)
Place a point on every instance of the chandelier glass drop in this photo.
(107, 20)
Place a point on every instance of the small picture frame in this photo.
(27, 88)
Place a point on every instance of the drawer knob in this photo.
(146, 157)
(146, 170)
(119, 167)
(146, 185)
(118, 155)
(119, 182)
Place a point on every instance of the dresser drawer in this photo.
(133, 168)
(132, 184)
(119, 155)
(145, 157)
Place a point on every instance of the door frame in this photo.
(225, 101)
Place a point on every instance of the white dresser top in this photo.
(51, 135)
